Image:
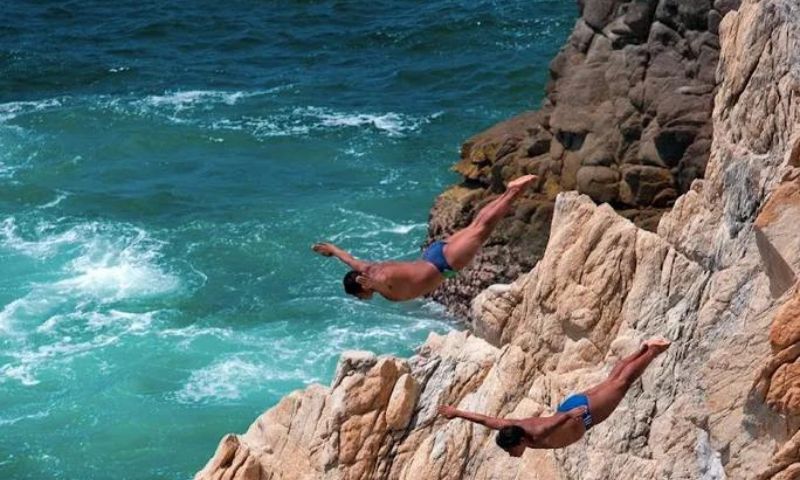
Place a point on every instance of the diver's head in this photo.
(510, 439)
(352, 287)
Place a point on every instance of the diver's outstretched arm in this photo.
(494, 423)
(331, 250)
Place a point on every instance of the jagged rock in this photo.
(402, 403)
(601, 183)
(778, 383)
(785, 330)
(723, 402)
(626, 121)
(598, 13)
(784, 464)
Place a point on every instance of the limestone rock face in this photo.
(626, 120)
(719, 278)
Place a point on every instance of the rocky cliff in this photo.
(718, 277)
(626, 120)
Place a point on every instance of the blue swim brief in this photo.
(434, 254)
(576, 401)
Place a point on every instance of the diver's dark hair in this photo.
(510, 436)
(351, 286)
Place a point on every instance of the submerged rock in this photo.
(722, 402)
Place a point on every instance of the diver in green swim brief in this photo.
(575, 415)
(399, 281)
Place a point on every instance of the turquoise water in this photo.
(164, 168)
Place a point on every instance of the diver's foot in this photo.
(658, 344)
(522, 182)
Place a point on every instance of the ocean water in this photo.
(164, 168)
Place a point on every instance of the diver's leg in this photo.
(463, 245)
(605, 397)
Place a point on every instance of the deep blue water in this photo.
(164, 168)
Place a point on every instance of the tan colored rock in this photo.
(493, 307)
(785, 330)
(402, 402)
(784, 391)
(785, 464)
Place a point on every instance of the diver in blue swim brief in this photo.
(399, 281)
(575, 415)
(434, 254)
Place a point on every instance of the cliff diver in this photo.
(575, 415)
(399, 281)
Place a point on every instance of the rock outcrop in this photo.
(718, 278)
(626, 120)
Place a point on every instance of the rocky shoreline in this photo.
(717, 274)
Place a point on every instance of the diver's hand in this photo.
(447, 411)
(325, 249)
(577, 412)
(367, 282)
(522, 182)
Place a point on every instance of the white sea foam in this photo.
(279, 126)
(390, 178)
(20, 146)
(29, 360)
(371, 230)
(100, 264)
(361, 233)
(184, 99)
(11, 110)
(228, 379)
(40, 248)
(391, 123)
(404, 229)
(195, 331)
(187, 99)
(117, 276)
(121, 322)
(295, 355)
(179, 107)
(6, 171)
(435, 308)
(354, 153)
(13, 420)
(26, 307)
(61, 197)
(396, 329)
(176, 106)
(187, 335)
(21, 373)
(104, 329)
(306, 120)
(113, 265)
(221, 380)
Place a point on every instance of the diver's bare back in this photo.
(567, 434)
(402, 281)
